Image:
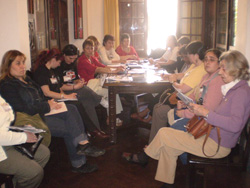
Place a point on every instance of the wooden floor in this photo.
(114, 172)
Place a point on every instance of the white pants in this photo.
(95, 85)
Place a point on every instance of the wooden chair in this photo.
(237, 158)
(6, 180)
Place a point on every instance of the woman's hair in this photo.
(215, 51)
(87, 42)
(124, 36)
(236, 64)
(196, 47)
(94, 39)
(70, 50)
(46, 55)
(106, 38)
(173, 38)
(183, 40)
(7, 60)
(183, 50)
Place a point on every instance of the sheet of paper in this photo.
(183, 97)
(57, 111)
(27, 129)
(120, 78)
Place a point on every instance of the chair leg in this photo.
(191, 176)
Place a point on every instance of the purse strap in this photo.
(207, 135)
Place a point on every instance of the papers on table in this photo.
(120, 78)
(57, 111)
(26, 128)
(115, 65)
(183, 97)
(136, 71)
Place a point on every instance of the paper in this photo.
(137, 71)
(183, 97)
(120, 78)
(27, 129)
(62, 100)
(57, 111)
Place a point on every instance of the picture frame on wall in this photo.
(78, 19)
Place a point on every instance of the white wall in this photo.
(93, 11)
(14, 32)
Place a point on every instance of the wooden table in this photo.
(140, 85)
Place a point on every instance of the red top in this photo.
(96, 55)
(86, 67)
(132, 51)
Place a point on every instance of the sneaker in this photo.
(85, 168)
(104, 102)
(89, 150)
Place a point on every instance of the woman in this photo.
(88, 66)
(26, 97)
(96, 44)
(72, 83)
(230, 116)
(125, 51)
(27, 173)
(107, 52)
(170, 56)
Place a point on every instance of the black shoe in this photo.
(85, 168)
(139, 158)
(89, 150)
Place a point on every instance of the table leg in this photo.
(112, 114)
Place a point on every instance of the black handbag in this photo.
(29, 149)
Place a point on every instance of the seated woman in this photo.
(230, 116)
(125, 51)
(72, 83)
(27, 173)
(88, 66)
(107, 52)
(170, 56)
(96, 44)
(25, 96)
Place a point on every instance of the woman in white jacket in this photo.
(27, 173)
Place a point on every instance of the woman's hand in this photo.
(71, 96)
(53, 104)
(172, 78)
(151, 61)
(31, 137)
(198, 110)
(181, 105)
(79, 84)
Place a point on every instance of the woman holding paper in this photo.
(26, 98)
(27, 173)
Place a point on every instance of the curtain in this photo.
(111, 19)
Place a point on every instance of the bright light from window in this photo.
(162, 21)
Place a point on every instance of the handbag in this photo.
(29, 149)
(168, 97)
(198, 126)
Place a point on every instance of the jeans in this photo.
(69, 126)
(179, 125)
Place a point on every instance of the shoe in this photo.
(85, 168)
(104, 102)
(99, 134)
(140, 158)
(89, 150)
